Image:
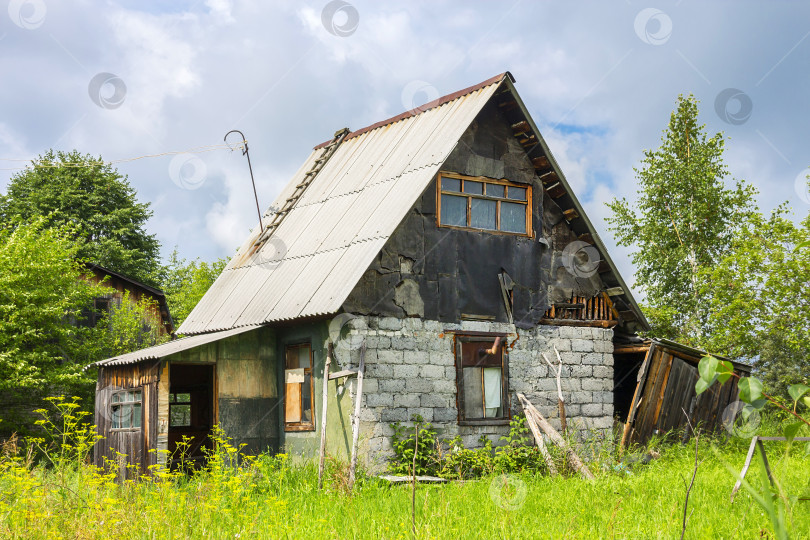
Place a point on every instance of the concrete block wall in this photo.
(410, 369)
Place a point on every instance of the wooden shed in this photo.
(664, 396)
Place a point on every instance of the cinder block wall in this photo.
(410, 369)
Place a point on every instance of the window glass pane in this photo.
(492, 392)
(292, 357)
(451, 184)
(454, 210)
(116, 398)
(473, 393)
(304, 357)
(116, 416)
(513, 217)
(517, 193)
(171, 398)
(476, 188)
(136, 415)
(180, 415)
(482, 214)
(495, 190)
(306, 399)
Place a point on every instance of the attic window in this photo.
(482, 380)
(298, 385)
(484, 204)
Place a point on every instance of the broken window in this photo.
(482, 379)
(484, 204)
(298, 413)
(180, 409)
(126, 409)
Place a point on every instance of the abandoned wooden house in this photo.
(117, 287)
(446, 245)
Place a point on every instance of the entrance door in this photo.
(191, 412)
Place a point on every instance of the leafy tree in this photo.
(685, 218)
(187, 281)
(759, 299)
(41, 292)
(98, 203)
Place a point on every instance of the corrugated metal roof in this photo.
(323, 246)
(172, 347)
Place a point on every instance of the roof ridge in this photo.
(426, 107)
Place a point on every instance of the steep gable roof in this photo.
(328, 235)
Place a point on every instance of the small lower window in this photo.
(298, 385)
(126, 409)
(180, 409)
(482, 379)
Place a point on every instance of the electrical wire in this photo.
(196, 150)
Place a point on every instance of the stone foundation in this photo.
(410, 370)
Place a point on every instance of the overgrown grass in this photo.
(268, 497)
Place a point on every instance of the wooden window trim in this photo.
(302, 426)
(483, 179)
(137, 389)
(498, 421)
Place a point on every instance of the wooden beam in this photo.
(577, 322)
(541, 162)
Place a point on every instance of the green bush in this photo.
(450, 459)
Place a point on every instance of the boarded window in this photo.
(126, 409)
(298, 385)
(482, 379)
(484, 204)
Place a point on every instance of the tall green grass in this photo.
(269, 497)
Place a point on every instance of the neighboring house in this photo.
(445, 239)
(119, 285)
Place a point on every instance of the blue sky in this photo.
(599, 78)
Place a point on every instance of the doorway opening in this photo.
(191, 413)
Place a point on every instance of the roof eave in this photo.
(641, 319)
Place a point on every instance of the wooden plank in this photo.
(641, 378)
(541, 445)
(555, 437)
(325, 403)
(660, 393)
(643, 426)
(356, 417)
(344, 373)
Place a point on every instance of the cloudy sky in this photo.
(136, 78)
